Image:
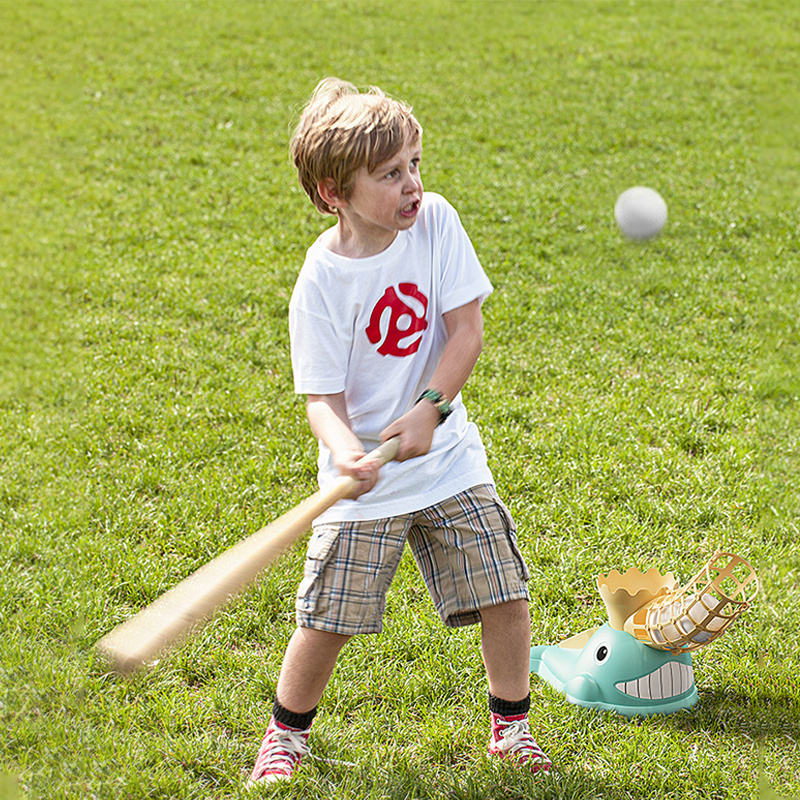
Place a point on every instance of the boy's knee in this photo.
(327, 640)
(505, 612)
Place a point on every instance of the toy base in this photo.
(628, 711)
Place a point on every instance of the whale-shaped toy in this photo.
(610, 670)
(639, 663)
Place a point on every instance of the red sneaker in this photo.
(511, 738)
(279, 754)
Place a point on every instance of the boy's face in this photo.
(386, 200)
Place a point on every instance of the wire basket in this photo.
(699, 612)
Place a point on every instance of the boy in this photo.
(386, 327)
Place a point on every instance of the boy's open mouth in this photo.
(410, 210)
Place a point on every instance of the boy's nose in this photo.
(412, 184)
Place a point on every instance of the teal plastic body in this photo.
(614, 671)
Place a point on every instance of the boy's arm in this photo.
(327, 415)
(464, 344)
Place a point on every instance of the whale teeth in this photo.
(667, 681)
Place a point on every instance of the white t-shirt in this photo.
(373, 329)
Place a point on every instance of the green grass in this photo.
(639, 403)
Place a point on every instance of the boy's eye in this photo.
(397, 171)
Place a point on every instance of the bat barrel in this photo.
(173, 615)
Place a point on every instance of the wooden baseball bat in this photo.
(175, 613)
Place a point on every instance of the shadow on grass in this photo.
(439, 782)
(755, 715)
(422, 779)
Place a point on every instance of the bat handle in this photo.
(346, 485)
(386, 452)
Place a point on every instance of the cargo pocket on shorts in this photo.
(312, 597)
(511, 535)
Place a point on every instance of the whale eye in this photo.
(601, 654)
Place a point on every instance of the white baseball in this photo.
(641, 213)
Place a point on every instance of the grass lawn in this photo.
(639, 403)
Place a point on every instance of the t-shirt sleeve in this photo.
(463, 279)
(318, 351)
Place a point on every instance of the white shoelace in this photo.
(288, 747)
(516, 736)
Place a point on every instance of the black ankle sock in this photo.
(292, 720)
(509, 708)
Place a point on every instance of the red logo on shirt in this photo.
(405, 322)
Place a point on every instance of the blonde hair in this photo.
(341, 130)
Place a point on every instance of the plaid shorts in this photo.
(465, 548)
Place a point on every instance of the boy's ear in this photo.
(329, 193)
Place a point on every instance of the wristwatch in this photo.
(439, 402)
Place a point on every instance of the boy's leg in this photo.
(466, 549)
(307, 667)
(349, 567)
(506, 644)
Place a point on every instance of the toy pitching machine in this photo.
(639, 662)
